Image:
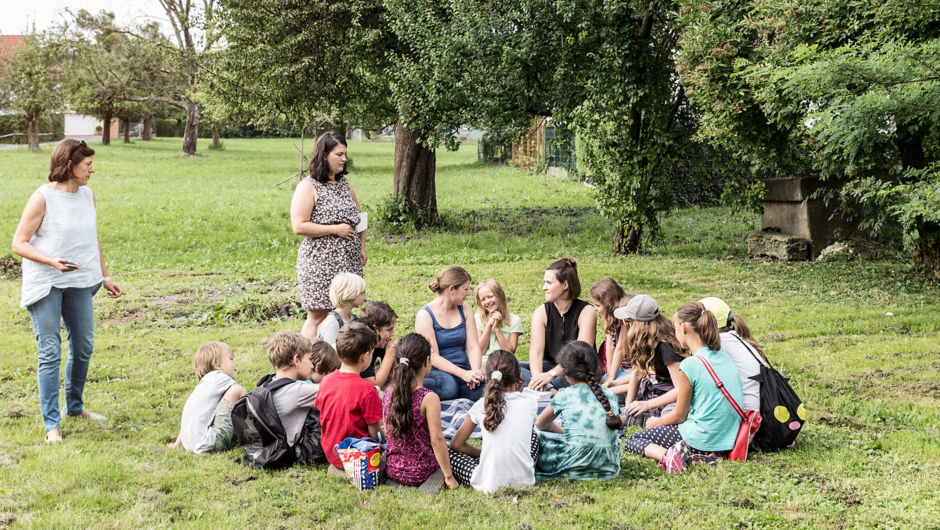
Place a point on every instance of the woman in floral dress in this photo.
(326, 211)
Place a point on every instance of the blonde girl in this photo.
(655, 354)
(498, 329)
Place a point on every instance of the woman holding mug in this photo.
(63, 268)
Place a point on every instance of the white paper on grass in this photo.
(363, 222)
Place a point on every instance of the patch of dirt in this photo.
(821, 340)
(170, 300)
(900, 330)
(776, 337)
(235, 481)
(132, 314)
(743, 503)
(6, 460)
(10, 268)
(16, 413)
(7, 519)
(844, 421)
(847, 496)
(925, 387)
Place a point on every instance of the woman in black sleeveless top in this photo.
(563, 318)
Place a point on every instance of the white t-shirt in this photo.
(292, 404)
(506, 458)
(329, 328)
(199, 410)
(747, 366)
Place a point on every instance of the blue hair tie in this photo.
(730, 317)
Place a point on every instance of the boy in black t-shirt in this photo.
(382, 318)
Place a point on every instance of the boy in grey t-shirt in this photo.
(207, 415)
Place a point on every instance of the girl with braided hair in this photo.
(416, 446)
(587, 447)
(510, 446)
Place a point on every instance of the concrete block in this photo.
(784, 247)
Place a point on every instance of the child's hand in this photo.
(637, 407)
(495, 317)
(451, 482)
(653, 422)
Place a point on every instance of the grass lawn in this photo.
(204, 249)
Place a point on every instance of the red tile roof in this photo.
(9, 44)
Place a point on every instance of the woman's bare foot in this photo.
(177, 443)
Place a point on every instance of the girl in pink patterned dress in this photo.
(416, 446)
(325, 209)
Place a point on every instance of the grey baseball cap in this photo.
(641, 308)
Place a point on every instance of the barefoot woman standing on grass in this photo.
(325, 209)
(63, 267)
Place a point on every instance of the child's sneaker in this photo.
(674, 459)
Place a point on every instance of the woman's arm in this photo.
(362, 235)
(587, 326)
(32, 217)
(459, 443)
(431, 409)
(546, 419)
(474, 353)
(301, 207)
(114, 290)
(631, 387)
(683, 402)
(537, 350)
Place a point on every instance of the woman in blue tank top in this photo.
(455, 354)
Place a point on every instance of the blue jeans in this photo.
(73, 306)
(558, 383)
(448, 386)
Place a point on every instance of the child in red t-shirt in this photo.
(349, 405)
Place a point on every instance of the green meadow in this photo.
(204, 250)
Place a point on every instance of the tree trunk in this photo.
(192, 129)
(127, 129)
(215, 135)
(179, 122)
(147, 134)
(414, 175)
(626, 238)
(106, 129)
(32, 133)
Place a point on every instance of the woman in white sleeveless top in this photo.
(63, 267)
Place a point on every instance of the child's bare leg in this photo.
(234, 393)
(655, 452)
(177, 443)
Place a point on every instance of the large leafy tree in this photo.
(842, 87)
(337, 62)
(605, 69)
(30, 79)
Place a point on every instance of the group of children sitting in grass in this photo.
(363, 383)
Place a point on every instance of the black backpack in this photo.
(781, 409)
(259, 429)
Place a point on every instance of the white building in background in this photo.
(80, 125)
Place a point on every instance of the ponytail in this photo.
(579, 360)
(702, 322)
(412, 352)
(494, 398)
(745, 332)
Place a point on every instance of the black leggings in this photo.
(462, 465)
(663, 436)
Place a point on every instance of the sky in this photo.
(20, 15)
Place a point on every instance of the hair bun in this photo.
(434, 286)
(571, 262)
